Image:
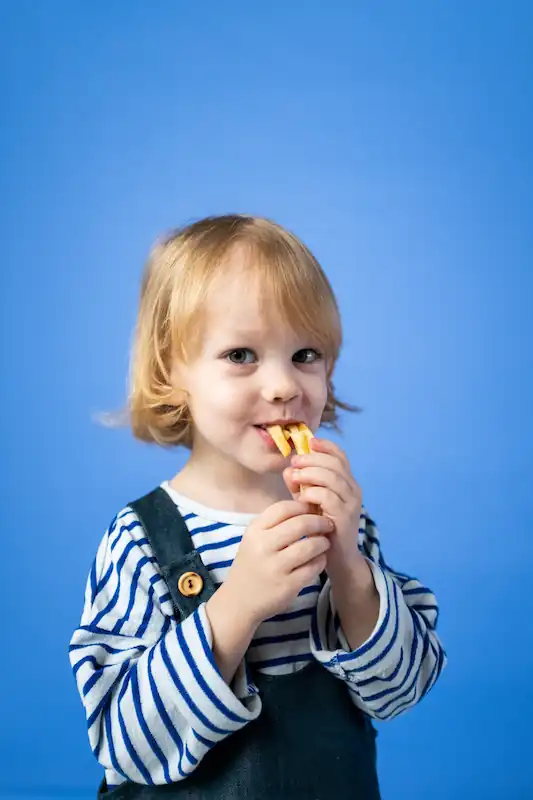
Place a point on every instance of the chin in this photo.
(273, 469)
(269, 466)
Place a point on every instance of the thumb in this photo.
(292, 486)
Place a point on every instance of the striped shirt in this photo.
(154, 698)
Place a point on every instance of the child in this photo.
(234, 642)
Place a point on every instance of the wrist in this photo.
(232, 630)
(356, 599)
(354, 572)
(230, 600)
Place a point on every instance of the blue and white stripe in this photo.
(403, 657)
(154, 699)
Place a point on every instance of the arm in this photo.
(401, 658)
(356, 598)
(154, 696)
(232, 631)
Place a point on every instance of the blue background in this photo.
(395, 138)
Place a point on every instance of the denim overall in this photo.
(309, 742)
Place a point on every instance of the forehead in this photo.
(236, 302)
(249, 295)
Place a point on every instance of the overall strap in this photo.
(188, 579)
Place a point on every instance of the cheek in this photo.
(217, 400)
(317, 392)
(319, 408)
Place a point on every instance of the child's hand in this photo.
(274, 561)
(327, 481)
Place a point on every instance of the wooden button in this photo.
(190, 584)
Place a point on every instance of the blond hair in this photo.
(170, 322)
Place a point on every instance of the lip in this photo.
(267, 439)
(282, 422)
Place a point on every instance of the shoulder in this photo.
(124, 550)
(125, 581)
(126, 530)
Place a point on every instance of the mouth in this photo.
(273, 441)
(281, 422)
(266, 437)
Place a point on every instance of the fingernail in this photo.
(296, 473)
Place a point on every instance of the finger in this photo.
(281, 511)
(306, 526)
(329, 502)
(329, 462)
(316, 476)
(304, 550)
(307, 573)
(324, 460)
(292, 486)
(332, 449)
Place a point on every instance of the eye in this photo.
(239, 356)
(307, 356)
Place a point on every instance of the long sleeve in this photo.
(402, 658)
(154, 698)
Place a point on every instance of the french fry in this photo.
(299, 435)
(279, 436)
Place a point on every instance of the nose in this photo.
(280, 385)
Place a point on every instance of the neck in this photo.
(223, 484)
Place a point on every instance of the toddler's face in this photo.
(252, 369)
